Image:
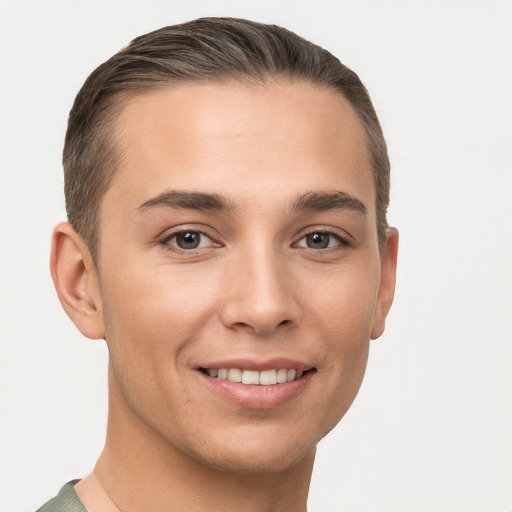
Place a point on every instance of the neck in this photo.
(140, 470)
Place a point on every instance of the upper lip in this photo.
(259, 365)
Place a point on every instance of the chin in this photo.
(250, 463)
(256, 451)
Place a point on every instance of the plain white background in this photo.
(431, 430)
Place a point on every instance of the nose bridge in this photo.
(260, 294)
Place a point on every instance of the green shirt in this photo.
(66, 501)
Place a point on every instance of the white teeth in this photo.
(250, 377)
(254, 377)
(282, 375)
(235, 375)
(268, 377)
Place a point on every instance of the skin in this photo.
(254, 289)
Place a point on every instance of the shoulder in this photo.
(66, 501)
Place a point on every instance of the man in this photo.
(226, 186)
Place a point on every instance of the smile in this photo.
(257, 384)
(255, 377)
(257, 389)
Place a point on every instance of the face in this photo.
(238, 243)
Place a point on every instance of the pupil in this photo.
(318, 240)
(188, 240)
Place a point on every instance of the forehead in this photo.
(244, 138)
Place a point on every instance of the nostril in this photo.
(284, 322)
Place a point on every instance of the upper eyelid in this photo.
(343, 235)
(343, 241)
(165, 242)
(170, 232)
(337, 232)
(166, 238)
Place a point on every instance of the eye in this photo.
(321, 240)
(188, 240)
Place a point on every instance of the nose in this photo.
(260, 295)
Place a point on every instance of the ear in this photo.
(76, 281)
(387, 282)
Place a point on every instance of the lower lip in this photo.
(258, 397)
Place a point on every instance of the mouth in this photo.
(269, 377)
(250, 387)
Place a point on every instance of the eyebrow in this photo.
(323, 201)
(177, 199)
(314, 201)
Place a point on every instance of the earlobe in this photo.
(76, 281)
(387, 283)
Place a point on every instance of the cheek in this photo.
(151, 316)
(343, 304)
(343, 312)
(150, 321)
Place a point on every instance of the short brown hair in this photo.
(205, 50)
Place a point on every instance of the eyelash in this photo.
(165, 240)
(342, 240)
